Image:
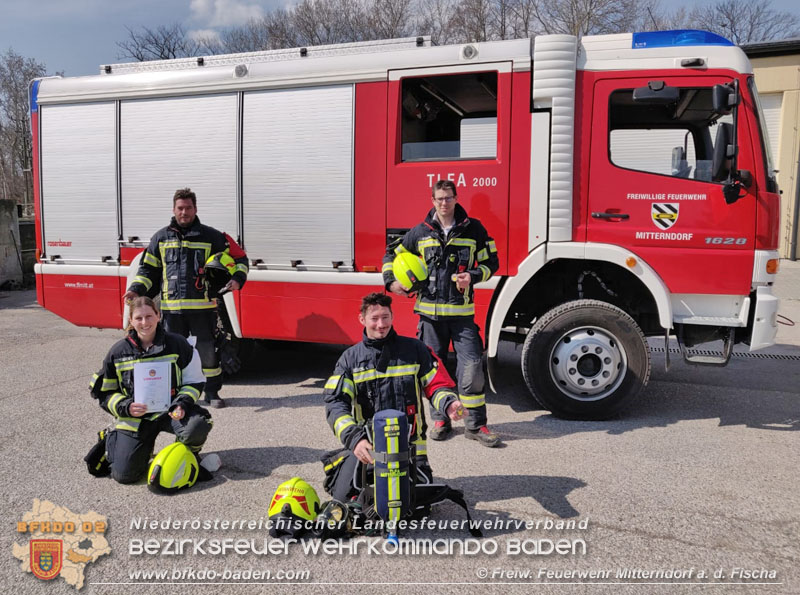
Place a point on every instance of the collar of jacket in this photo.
(184, 231)
(383, 346)
(158, 340)
(378, 343)
(461, 219)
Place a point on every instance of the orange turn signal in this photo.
(630, 261)
(773, 264)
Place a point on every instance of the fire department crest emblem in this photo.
(664, 214)
(46, 558)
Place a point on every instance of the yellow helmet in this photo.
(295, 497)
(410, 270)
(175, 467)
(294, 503)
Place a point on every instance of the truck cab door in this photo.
(655, 188)
(450, 123)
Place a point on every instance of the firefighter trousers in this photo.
(203, 325)
(464, 334)
(129, 452)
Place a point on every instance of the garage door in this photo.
(771, 104)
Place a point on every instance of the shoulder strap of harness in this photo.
(428, 494)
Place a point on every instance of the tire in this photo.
(586, 360)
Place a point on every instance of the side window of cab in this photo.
(675, 140)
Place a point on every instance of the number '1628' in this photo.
(727, 241)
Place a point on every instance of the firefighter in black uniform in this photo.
(383, 371)
(458, 253)
(173, 263)
(131, 443)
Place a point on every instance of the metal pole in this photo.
(795, 214)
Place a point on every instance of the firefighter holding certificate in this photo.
(158, 367)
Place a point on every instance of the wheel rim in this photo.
(588, 363)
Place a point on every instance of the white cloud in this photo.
(224, 13)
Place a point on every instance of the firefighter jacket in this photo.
(112, 386)
(467, 248)
(391, 373)
(174, 262)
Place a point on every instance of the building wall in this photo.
(781, 74)
(10, 249)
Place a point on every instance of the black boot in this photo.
(211, 397)
(213, 400)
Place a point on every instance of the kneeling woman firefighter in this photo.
(130, 444)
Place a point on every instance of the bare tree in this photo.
(745, 21)
(162, 43)
(253, 36)
(471, 20)
(587, 17)
(322, 22)
(388, 19)
(16, 179)
(281, 30)
(655, 19)
(523, 18)
(436, 19)
(211, 43)
(501, 16)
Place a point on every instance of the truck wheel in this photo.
(585, 360)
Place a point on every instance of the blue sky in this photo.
(76, 36)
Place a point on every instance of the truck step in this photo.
(709, 360)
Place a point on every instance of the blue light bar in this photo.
(34, 96)
(676, 38)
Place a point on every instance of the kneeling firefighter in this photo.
(128, 446)
(379, 383)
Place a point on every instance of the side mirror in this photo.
(656, 93)
(732, 190)
(724, 98)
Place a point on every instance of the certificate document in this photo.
(151, 385)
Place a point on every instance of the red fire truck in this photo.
(625, 178)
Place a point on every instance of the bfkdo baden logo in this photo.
(61, 542)
(46, 557)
